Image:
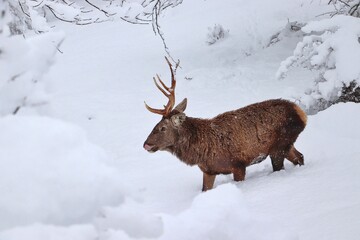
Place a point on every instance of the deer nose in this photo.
(147, 147)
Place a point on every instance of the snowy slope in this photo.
(100, 82)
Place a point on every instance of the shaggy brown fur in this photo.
(231, 141)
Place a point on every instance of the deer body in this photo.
(231, 141)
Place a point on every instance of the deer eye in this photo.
(163, 129)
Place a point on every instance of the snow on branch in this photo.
(331, 46)
(38, 12)
(345, 7)
(35, 15)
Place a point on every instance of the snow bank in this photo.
(130, 219)
(221, 213)
(50, 173)
(46, 232)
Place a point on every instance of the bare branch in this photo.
(57, 16)
(101, 10)
(138, 22)
(22, 9)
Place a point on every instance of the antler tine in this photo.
(153, 110)
(158, 86)
(169, 93)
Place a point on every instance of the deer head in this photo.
(165, 133)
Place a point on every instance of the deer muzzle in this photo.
(150, 148)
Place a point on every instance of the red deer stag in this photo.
(231, 141)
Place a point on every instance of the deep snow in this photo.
(122, 192)
(51, 173)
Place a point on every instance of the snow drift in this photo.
(51, 173)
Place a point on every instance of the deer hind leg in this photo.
(208, 181)
(295, 156)
(278, 154)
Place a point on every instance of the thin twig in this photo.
(157, 28)
(38, 4)
(345, 3)
(129, 21)
(22, 9)
(58, 17)
(16, 110)
(354, 8)
(101, 10)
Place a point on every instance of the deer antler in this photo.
(169, 92)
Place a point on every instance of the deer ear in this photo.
(178, 119)
(181, 106)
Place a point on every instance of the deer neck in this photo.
(192, 146)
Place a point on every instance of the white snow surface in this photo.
(81, 172)
(51, 173)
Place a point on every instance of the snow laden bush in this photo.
(50, 173)
(290, 29)
(23, 63)
(216, 33)
(331, 47)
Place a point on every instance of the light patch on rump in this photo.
(301, 114)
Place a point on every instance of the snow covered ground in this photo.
(80, 172)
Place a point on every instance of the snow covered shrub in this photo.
(331, 47)
(290, 29)
(350, 93)
(216, 33)
(51, 173)
(23, 62)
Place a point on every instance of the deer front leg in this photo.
(239, 173)
(208, 181)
